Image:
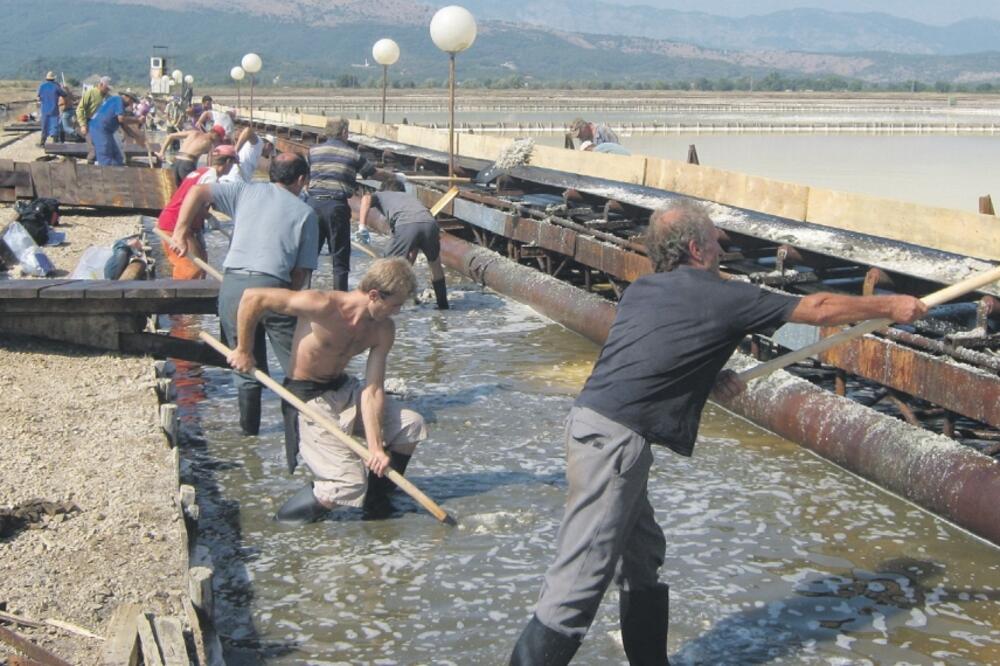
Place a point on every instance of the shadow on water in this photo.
(219, 533)
(826, 609)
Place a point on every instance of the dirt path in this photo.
(80, 426)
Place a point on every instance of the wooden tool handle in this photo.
(334, 429)
(937, 298)
(200, 263)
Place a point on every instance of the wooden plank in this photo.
(170, 636)
(147, 641)
(40, 177)
(62, 177)
(150, 288)
(26, 289)
(622, 168)
(8, 194)
(71, 289)
(961, 232)
(23, 186)
(122, 645)
(36, 652)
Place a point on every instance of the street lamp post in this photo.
(386, 52)
(251, 64)
(453, 29)
(237, 74)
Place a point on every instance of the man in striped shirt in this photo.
(333, 170)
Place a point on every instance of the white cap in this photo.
(586, 145)
(270, 139)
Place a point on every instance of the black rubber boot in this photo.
(301, 508)
(249, 398)
(644, 618)
(540, 646)
(377, 502)
(440, 293)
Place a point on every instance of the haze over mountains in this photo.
(309, 41)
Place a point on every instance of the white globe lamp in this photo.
(177, 75)
(251, 64)
(453, 29)
(386, 52)
(236, 74)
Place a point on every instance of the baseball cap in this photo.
(226, 150)
(220, 130)
(270, 139)
(50, 76)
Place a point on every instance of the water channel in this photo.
(774, 555)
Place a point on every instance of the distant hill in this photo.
(812, 30)
(82, 37)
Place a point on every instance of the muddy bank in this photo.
(80, 427)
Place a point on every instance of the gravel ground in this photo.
(80, 426)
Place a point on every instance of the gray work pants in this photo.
(279, 328)
(608, 530)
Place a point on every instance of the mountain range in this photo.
(312, 41)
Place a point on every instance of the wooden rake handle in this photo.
(937, 298)
(334, 429)
(200, 263)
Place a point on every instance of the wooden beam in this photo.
(36, 652)
(122, 645)
(170, 636)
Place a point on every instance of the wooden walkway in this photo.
(75, 184)
(107, 314)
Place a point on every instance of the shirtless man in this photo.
(194, 144)
(332, 328)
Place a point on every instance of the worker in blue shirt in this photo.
(112, 114)
(48, 99)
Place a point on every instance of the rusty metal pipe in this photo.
(946, 478)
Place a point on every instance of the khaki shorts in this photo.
(341, 475)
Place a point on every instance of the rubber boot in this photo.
(377, 503)
(249, 398)
(301, 508)
(541, 646)
(644, 616)
(440, 293)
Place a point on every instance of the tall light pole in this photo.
(251, 64)
(237, 74)
(386, 52)
(453, 29)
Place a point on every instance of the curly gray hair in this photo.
(670, 231)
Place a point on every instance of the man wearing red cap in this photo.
(194, 144)
(223, 159)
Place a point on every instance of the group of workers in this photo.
(664, 357)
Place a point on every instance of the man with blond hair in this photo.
(333, 327)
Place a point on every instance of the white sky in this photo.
(938, 12)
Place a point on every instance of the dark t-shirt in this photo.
(401, 208)
(672, 335)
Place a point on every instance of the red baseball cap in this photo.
(220, 130)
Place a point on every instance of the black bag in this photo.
(36, 217)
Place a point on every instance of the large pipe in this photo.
(946, 478)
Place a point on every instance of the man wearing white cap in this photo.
(251, 147)
(48, 100)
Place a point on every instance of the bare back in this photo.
(196, 144)
(326, 340)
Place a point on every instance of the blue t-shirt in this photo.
(672, 334)
(49, 94)
(274, 231)
(106, 118)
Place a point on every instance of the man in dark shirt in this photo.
(333, 170)
(413, 229)
(673, 333)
